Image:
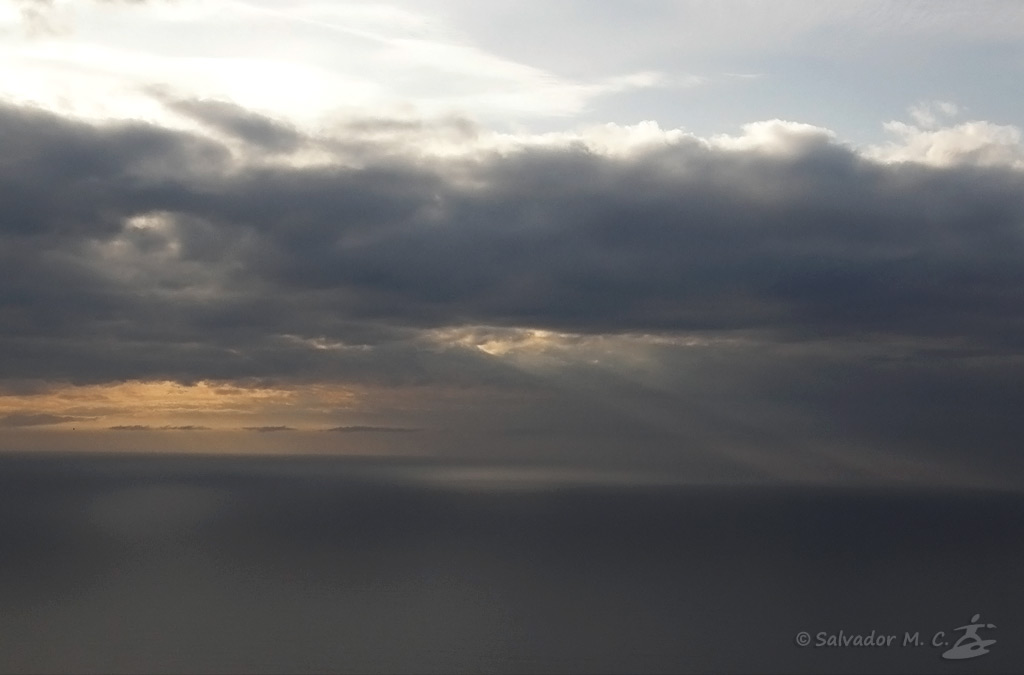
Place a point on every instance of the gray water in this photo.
(177, 564)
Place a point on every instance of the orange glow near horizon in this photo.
(217, 417)
(215, 405)
(212, 417)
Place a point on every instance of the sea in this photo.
(256, 564)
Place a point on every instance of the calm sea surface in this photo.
(177, 564)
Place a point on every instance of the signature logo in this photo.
(970, 644)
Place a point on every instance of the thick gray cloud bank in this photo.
(887, 297)
(811, 244)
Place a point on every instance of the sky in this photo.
(460, 336)
(717, 241)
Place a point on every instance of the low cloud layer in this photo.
(361, 429)
(166, 427)
(34, 420)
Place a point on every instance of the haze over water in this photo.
(183, 564)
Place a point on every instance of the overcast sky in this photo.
(733, 240)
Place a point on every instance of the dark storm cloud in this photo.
(874, 305)
(689, 239)
(72, 181)
(238, 271)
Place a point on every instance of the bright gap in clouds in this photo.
(305, 63)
